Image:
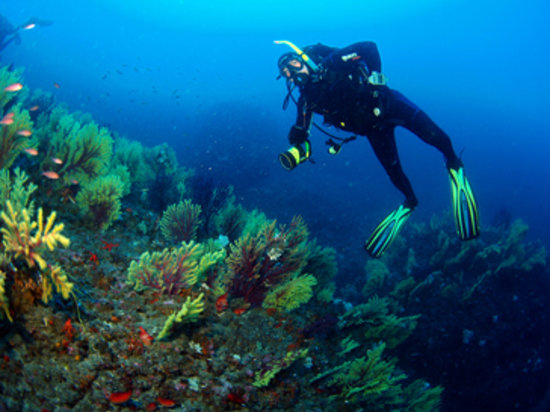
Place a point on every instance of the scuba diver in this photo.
(346, 86)
(8, 33)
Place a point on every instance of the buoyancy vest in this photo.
(343, 97)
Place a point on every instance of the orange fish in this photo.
(74, 181)
(50, 175)
(29, 26)
(34, 108)
(56, 85)
(7, 119)
(120, 397)
(15, 87)
(57, 160)
(166, 402)
(25, 133)
(221, 303)
(145, 337)
(239, 311)
(31, 151)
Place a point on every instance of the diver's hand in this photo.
(297, 135)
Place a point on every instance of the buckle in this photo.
(377, 79)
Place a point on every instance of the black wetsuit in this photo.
(341, 93)
(8, 33)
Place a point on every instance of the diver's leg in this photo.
(383, 144)
(385, 149)
(465, 211)
(412, 118)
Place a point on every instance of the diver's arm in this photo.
(365, 52)
(299, 132)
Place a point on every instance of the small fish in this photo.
(221, 303)
(7, 119)
(57, 160)
(31, 151)
(239, 311)
(25, 133)
(166, 402)
(56, 85)
(34, 108)
(50, 175)
(233, 397)
(29, 26)
(15, 87)
(120, 397)
(74, 181)
(145, 337)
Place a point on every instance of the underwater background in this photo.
(201, 77)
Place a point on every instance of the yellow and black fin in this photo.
(387, 231)
(465, 210)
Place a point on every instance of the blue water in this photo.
(201, 77)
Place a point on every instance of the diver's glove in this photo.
(297, 135)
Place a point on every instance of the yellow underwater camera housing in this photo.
(296, 155)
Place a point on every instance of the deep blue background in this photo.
(200, 75)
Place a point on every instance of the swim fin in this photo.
(464, 205)
(387, 231)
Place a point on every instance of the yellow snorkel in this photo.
(300, 53)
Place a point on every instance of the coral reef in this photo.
(261, 261)
(14, 137)
(228, 335)
(99, 200)
(168, 271)
(27, 240)
(189, 312)
(180, 222)
(291, 294)
(83, 149)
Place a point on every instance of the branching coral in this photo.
(59, 279)
(369, 380)
(8, 77)
(14, 137)
(19, 239)
(189, 312)
(291, 294)
(83, 149)
(169, 271)
(381, 325)
(16, 190)
(258, 262)
(180, 222)
(131, 154)
(321, 262)
(26, 239)
(263, 377)
(230, 220)
(99, 200)
(4, 304)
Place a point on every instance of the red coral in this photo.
(261, 261)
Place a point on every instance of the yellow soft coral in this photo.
(62, 285)
(19, 239)
(3, 298)
(189, 312)
(291, 294)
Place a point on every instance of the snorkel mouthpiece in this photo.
(311, 64)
